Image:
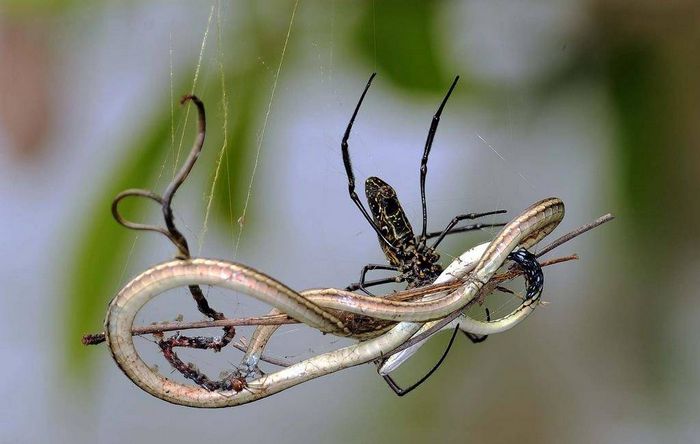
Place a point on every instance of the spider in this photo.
(408, 254)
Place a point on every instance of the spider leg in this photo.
(472, 337)
(363, 274)
(363, 284)
(463, 229)
(400, 392)
(462, 217)
(504, 289)
(426, 153)
(370, 267)
(476, 339)
(348, 166)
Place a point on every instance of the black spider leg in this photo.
(534, 279)
(424, 160)
(424, 236)
(348, 166)
(401, 391)
(366, 284)
(362, 284)
(465, 228)
(476, 339)
(471, 216)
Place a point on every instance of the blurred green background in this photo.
(594, 102)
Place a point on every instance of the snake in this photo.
(318, 308)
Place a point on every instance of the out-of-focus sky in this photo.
(593, 102)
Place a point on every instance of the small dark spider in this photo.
(408, 254)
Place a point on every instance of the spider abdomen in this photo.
(391, 219)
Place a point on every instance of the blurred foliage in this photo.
(230, 186)
(633, 72)
(236, 168)
(640, 93)
(32, 8)
(104, 245)
(399, 39)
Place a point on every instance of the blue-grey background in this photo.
(594, 102)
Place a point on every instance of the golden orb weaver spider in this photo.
(408, 254)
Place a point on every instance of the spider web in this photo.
(261, 138)
(178, 301)
(498, 306)
(224, 144)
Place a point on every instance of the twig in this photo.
(577, 232)
(98, 338)
(282, 319)
(510, 274)
(408, 295)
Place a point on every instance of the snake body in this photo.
(312, 307)
(526, 230)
